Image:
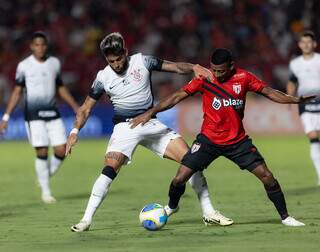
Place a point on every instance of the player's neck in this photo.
(308, 56)
(40, 59)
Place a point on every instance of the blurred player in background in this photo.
(305, 80)
(222, 132)
(39, 77)
(127, 82)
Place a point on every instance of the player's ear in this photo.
(232, 65)
(315, 44)
(126, 52)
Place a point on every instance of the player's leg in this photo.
(175, 150)
(113, 163)
(57, 136)
(38, 138)
(247, 156)
(311, 123)
(42, 171)
(120, 149)
(275, 194)
(315, 151)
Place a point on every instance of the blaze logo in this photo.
(217, 103)
(195, 147)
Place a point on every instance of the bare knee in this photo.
(115, 160)
(42, 151)
(60, 150)
(176, 149)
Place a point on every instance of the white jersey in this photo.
(40, 80)
(306, 75)
(131, 92)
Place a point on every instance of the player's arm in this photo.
(82, 116)
(185, 68)
(165, 104)
(67, 97)
(13, 101)
(280, 97)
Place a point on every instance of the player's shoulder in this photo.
(53, 59)
(296, 60)
(242, 73)
(25, 61)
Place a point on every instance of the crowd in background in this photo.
(261, 34)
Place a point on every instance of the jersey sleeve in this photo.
(194, 86)
(97, 89)
(59, 81)
(152, 63)
(254, 83)
(292, 77)
(20, 76)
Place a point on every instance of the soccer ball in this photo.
(153, 217)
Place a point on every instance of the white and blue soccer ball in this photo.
(153, 217)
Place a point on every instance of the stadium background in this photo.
(261, 34)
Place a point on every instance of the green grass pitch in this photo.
(28, 225)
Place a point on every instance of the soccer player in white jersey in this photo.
(39, 77)
(305, 80)
(126, 80)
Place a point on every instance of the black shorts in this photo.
(203, 152)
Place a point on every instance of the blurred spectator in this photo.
(260, 33)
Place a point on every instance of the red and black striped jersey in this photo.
(223, 105)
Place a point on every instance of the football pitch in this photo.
(28, 225)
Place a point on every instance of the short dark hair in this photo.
(221, 56)
(308, 33)
(112, 44)
(39, 34)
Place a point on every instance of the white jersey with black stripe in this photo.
(40, 80)
(306, 73)
(131, 92)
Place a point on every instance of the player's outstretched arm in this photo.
(280, 97)
(67, 97)
(186, 68)
(13, 101)
(165, 104)
(82, 116)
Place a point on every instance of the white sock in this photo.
(42, 171)
(55, 164)
(99, 192)
(315, 156)
(200, 186)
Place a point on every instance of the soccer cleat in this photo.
(292, 222)
(48, 199)
(170, 211)
(216, 218)
(80, 227)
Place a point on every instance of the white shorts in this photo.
(310, 121)
(44, 133)
(154, 135)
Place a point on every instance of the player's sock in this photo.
(175, 193)
(99, 192)
(315, 155)
(200, 186)
(42, 170)
(55, 163)
(276, 195)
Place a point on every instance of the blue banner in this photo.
(98, 125)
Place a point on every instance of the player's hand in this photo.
(201, 72)
(3, 126)
(72, 139)
(303, 98)
(140, 119)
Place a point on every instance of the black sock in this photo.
(175, 193)
(275, 194)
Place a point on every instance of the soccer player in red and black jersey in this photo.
(222, 132)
